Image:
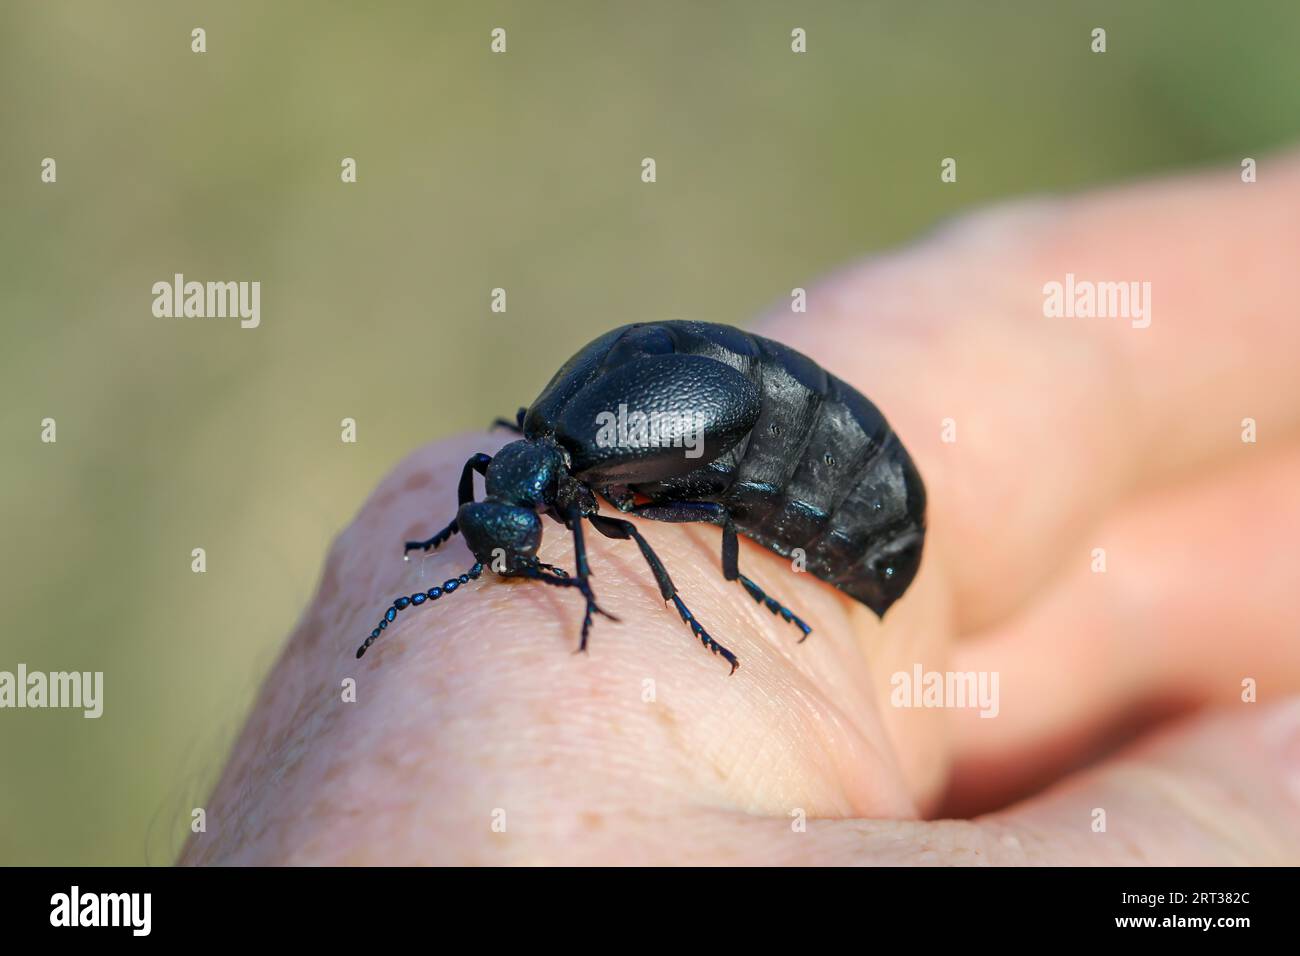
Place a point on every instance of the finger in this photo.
(1055, 419)
(476, 702)
(1220, 789)
(1194, 604)
(1223, 789)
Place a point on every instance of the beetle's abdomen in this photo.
(821, 472)
(824, 473)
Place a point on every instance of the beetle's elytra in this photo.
(691, 421)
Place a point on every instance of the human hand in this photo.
(1071, 434)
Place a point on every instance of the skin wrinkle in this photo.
(1234, 830)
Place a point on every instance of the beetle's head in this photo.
(521, 480)
(499, 534)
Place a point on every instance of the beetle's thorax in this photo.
(526, 473)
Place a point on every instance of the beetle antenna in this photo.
(415, 600)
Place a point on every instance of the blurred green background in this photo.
(475, 171)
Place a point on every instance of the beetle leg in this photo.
(773, 605)
(430, 543)
(617, 528)
(533, 570)
(572, 519)
(713, 513)
(465, 494)
(584, 573)
(517, 426)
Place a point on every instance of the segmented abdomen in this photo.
(821, 471)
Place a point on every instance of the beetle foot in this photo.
(550, 574)
(430, 543)
(705, 638)
(776, 607)
(554, 569)
(592, 609)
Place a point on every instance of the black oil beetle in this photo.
(692, 421)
